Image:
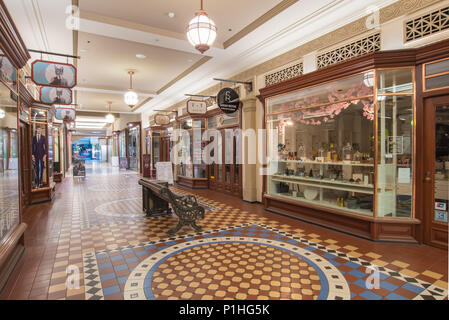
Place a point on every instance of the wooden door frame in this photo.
(431, 229)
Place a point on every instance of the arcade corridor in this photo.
(97, 225)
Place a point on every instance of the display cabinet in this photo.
(193, 173)
(158, 145)
(133, 140)
(341, 153)
(41, 155)
(58, 147)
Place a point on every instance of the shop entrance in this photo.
(436, 171)
(227, 177)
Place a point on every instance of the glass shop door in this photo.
(436, 171)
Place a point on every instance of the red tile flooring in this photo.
(50, 224)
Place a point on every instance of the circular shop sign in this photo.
(228, 100)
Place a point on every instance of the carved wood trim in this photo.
(10, 40)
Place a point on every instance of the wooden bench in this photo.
(157, 198)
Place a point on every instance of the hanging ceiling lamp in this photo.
(201, 31)
(110, 117)
(131, 98)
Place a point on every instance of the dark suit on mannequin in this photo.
(39, 152)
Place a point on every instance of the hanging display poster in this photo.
(65, 114)
(52, 74)
(50, 95)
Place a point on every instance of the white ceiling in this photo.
(118, 30)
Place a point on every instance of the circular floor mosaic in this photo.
(236, 268)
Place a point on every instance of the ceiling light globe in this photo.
(201, 31)
(131, 98)
(110, 118)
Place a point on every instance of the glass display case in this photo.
(322, 144)
(40, 148)
(9, 177)
(192, 149)
(134, 147)
(122, 144)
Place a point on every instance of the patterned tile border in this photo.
(92, 282)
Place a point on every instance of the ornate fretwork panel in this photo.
(357, 48)
(284, 74)
(426, 25)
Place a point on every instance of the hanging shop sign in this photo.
(50, 95)
(52, 74)
(196, 107)
(228, 100)
(161, 119)
(65, 114)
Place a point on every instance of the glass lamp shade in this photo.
(201, 31)
(2, 113)
(110, 118)
(131, 98)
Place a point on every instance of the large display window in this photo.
(346, 145)
(192, 167)
(9, 178)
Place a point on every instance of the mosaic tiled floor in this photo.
(96, 227)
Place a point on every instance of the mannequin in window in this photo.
(39, 155)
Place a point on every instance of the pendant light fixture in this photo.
(131, 98)
(201, 31)
(110, 117)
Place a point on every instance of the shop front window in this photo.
(395, 143)
(9, 178)
(326, 149)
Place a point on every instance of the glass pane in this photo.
(437, 82)
(220, 171)
(325, 156)
(200, 171)
(353, 87)
(395, 163)
(441, 164)
(212, 171)
(156, 149)
(395, 81)
(228, 173)
(236, 175)
(437, 67)
(9, 178)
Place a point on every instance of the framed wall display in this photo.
(65, 114)
(51, 95)
(53, 74)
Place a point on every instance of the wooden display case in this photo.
(396, 107)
